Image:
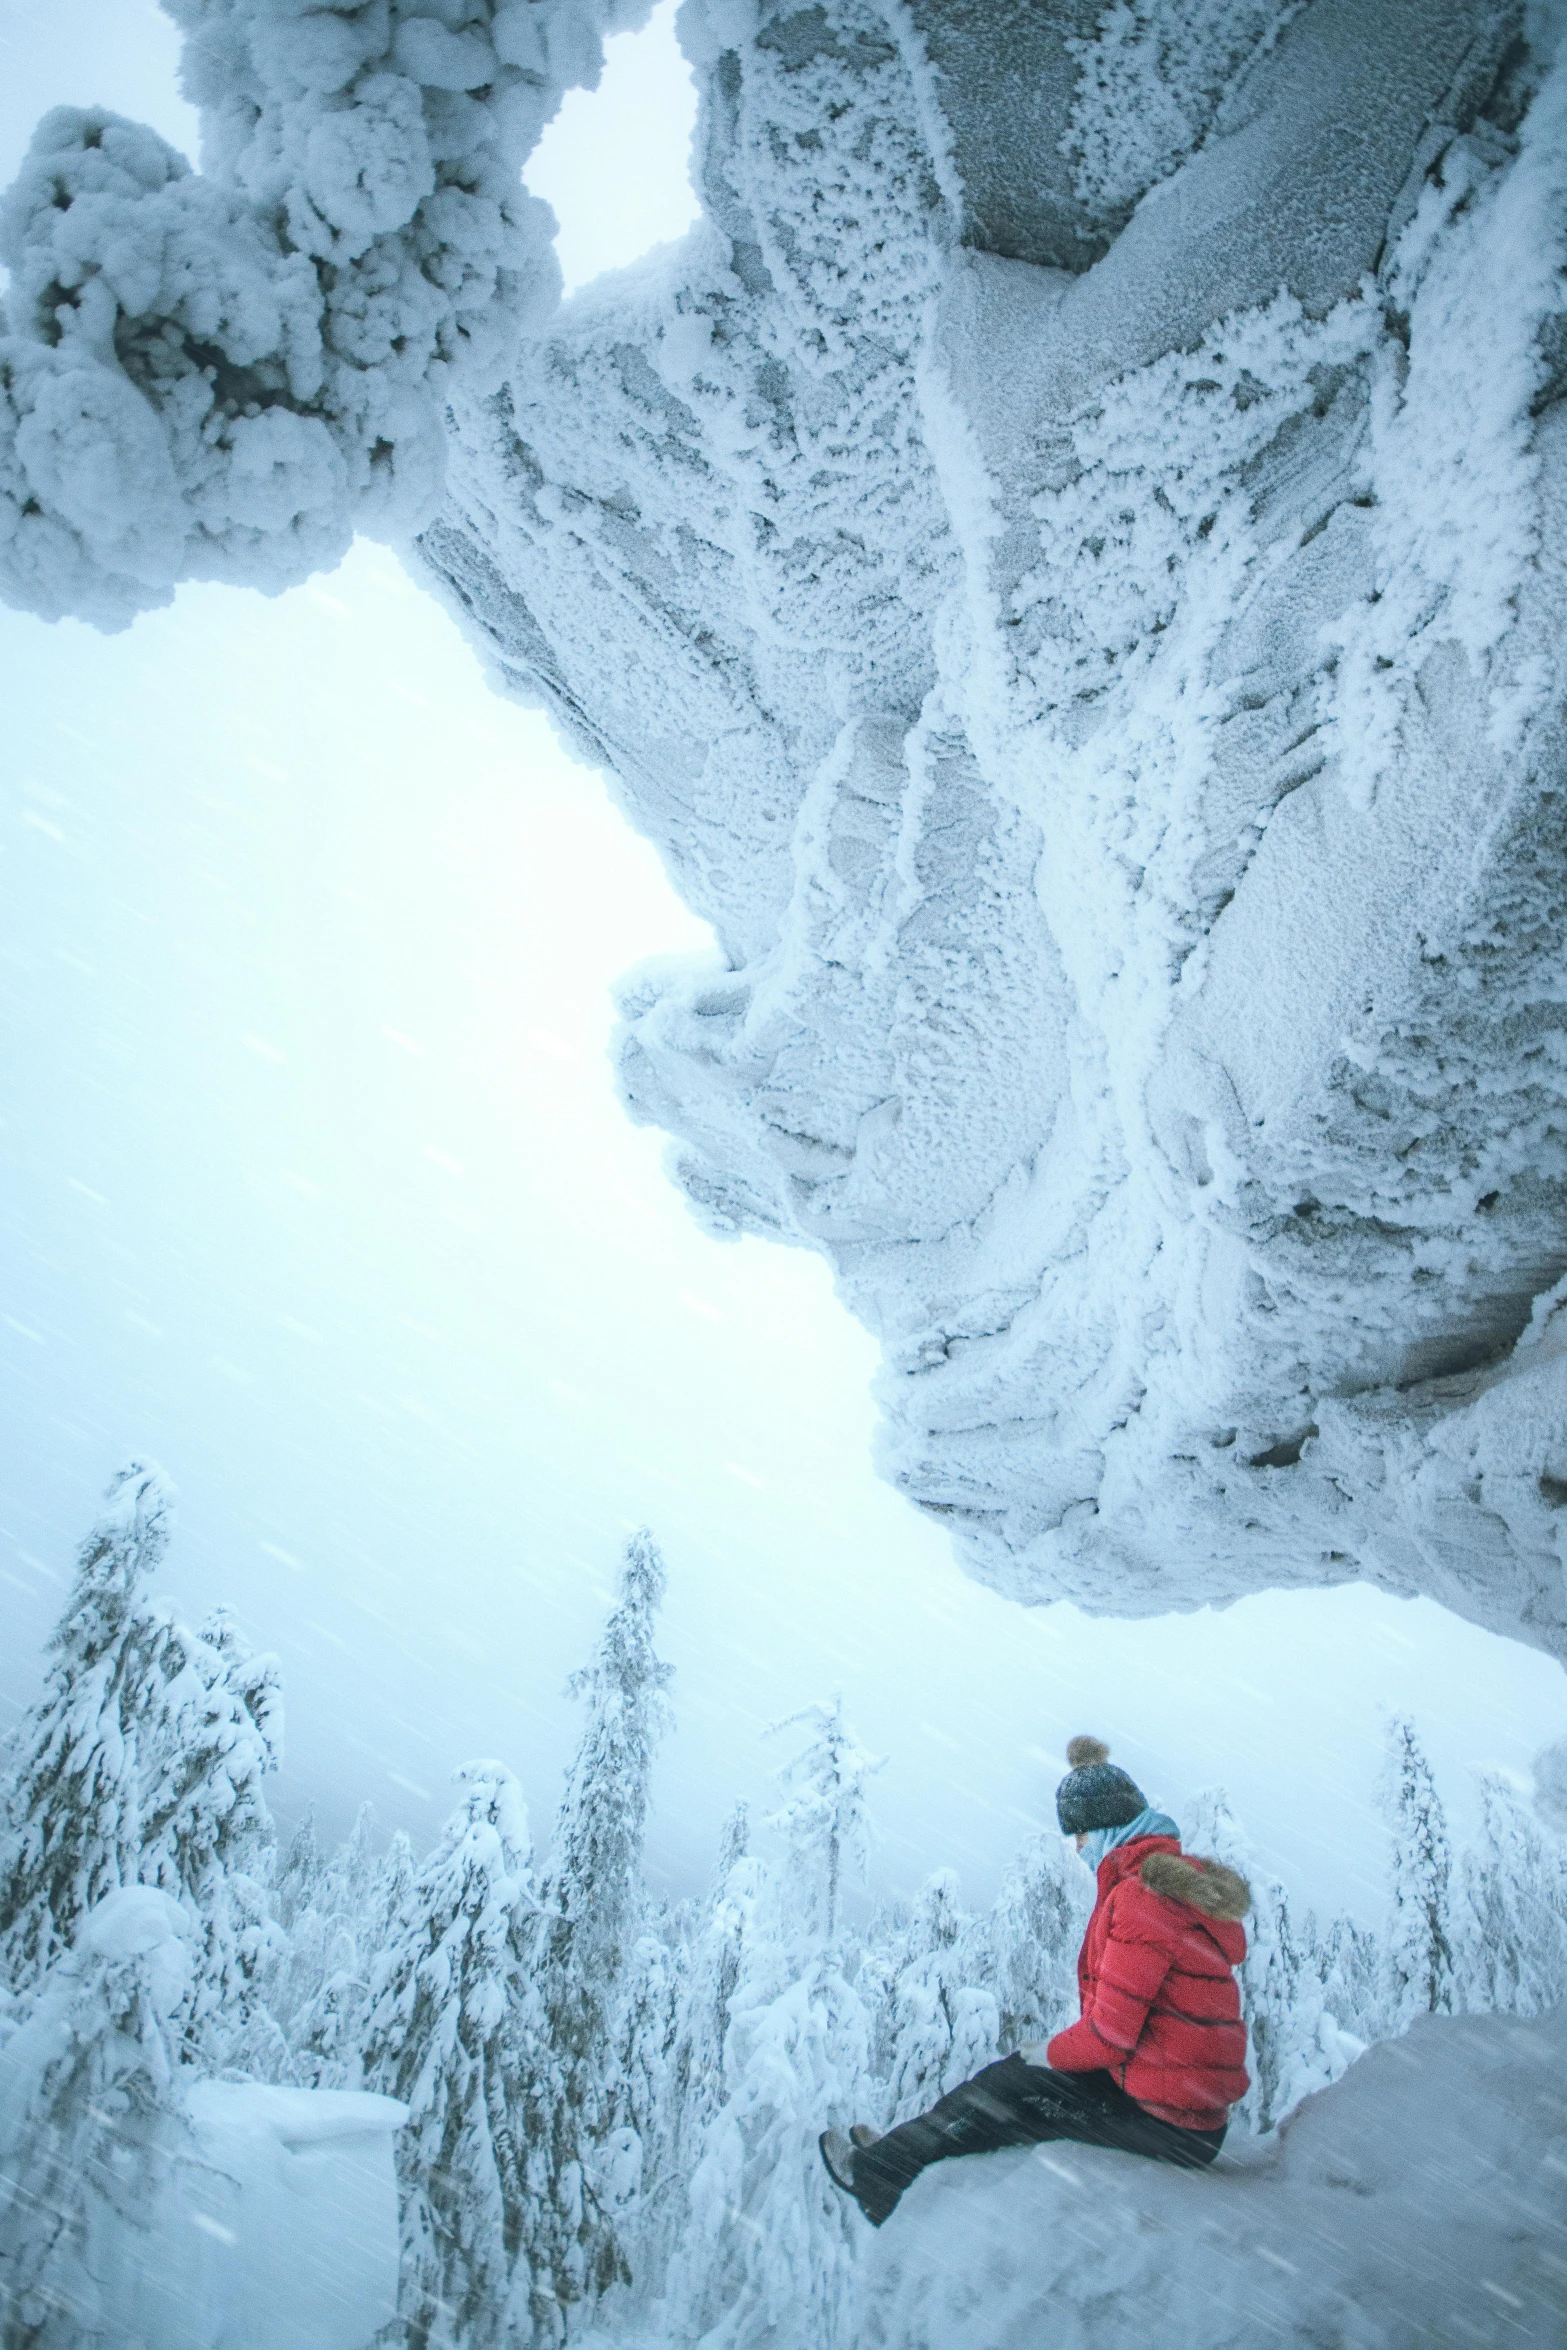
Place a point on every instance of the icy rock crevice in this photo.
(1420, 2200)
(1066, 564)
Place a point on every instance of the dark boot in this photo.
(843, 2160)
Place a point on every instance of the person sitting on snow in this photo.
(1158, 2056)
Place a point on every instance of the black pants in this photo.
(1018, 2104)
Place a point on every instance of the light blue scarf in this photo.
(1099, 1841)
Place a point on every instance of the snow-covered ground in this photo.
(143, 2209)
(1421, 2200)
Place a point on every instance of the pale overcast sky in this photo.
(315, 1187)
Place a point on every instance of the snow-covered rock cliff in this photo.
(1066, 561)
(1421, 2200)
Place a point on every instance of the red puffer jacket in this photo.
(1161, 2007)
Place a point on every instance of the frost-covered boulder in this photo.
(142, 2210)
(1422, 2199)
(296, 2197)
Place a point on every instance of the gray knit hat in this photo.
(1094, 1793)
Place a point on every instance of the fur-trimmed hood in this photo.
(1202, 1884)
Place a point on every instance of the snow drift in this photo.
(139, 2208)
(1421, 2200)
(1066, 562)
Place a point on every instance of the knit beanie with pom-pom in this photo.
(1095, 1793)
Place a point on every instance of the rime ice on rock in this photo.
(1066, 563)
(1095, 659)
(223, 375)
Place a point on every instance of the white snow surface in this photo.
(190, 2214)
(1067, 565)
(1421, 2200)
(297, 2203)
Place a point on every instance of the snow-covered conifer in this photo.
(1033, 1933)
(76, 1824)
(637, 2166)
(595, 1871)
(1512, 1945)
(768, 2255)
(319, 1989)
(1295, 2044)
(593, 1903)
(93, 2120)
(298, 1872)
(942, 2024)
(717, 1958)
(1550, 1785)
(393, 1889)
(207, 1834)
(1348, 1961)
(143, 1763)
(716, 1955)
(457, 2033)
(823, 1819)
(1417, 1966)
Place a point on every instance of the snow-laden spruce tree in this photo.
(143, 1763)
(942, 2022)
(769, 2251)
(338, 1912)
(1348, 1963)
(1032, 1934)
(207, 1834)
(1417, 1951)
(456, 2031)
(715, 1963)
(1550, 1785)
(1295, 2044)
(637, 2165)
(670, 2256)
(593, 1911)
(75, 1818)
(298, 1873)
(93, 2121)
(1511, 1953)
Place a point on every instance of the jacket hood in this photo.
(1206, 1885)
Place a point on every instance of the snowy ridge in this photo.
(1421, 2200)
(1067, 567)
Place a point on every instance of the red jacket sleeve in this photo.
(1127, 1984)
(1079, 2049)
